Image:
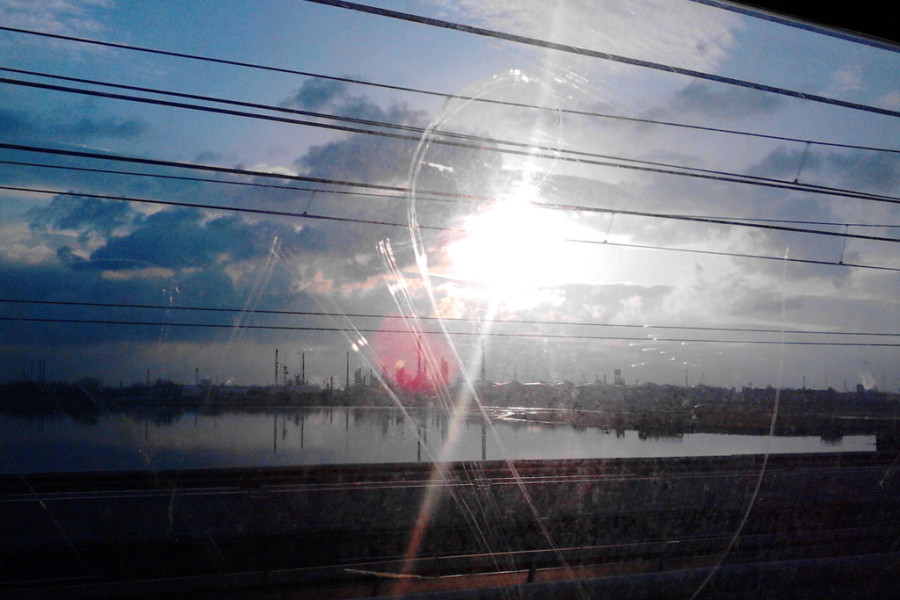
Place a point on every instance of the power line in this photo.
(718, 176)
(490, 144)
(251, 184)
(241, 209)
(304, 313)
(444, 95)
(402, 197)
(441, 332)
(781, 259)
(212, 168)
(545, 205)
(393, 224)
(455, 97)
(529, 41)
(493, 144)
(757, 12)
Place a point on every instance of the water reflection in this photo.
(171, 439)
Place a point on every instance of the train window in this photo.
(372, 298)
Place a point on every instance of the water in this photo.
(308, 436)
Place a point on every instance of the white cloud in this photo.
(681, 33)
(847, 80)
(274, 169)
(890, 100)
(65, 17)
(21, 247)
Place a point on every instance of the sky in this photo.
(536, 217)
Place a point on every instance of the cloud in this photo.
(54, 16)
(782, 163)
(721, 101)
(874, 171)
(858, 170)
(847, 80)
(381, 160)
(184, 238)
(21, 125)
(321, 94)
(890, 100)
(685, 34)
(316, 95)
(88, 215)
(359, 157)
(67, 256)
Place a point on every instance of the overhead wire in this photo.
(397, 197)
(474, 320)
(544, 205)
(252, 184)
(491, 145)
(759, 13)
(415, 18)
(607, 56)
(479, 334)
(305, 215)
(445, 95)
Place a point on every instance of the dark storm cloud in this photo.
(703, 98)
(362, 157)
(380, 160)
(23, 125)
(64, 283)
(89, 215)
(67, 256)
(182, 238)
(359, 157)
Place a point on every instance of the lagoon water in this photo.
(337, 435)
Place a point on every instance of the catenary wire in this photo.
(491, 145)
(569, 49)
(545, 205)
(744, 180)
(435, 228)
(419, 91)
(392, 197)
(442, 332)
(798, 23)
(305, 313)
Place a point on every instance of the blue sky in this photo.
(513, 261)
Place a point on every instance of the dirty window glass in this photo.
(467, 246)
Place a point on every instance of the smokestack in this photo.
(303, 369)
(276, 366)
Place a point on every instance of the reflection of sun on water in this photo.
(514, 251)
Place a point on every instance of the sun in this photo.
(515, 251)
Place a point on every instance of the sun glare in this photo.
(514, 251)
